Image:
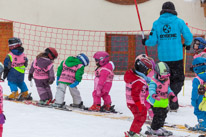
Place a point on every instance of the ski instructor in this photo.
(166, 34)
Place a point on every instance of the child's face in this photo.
(196, 45)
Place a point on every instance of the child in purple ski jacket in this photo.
(103, 81)
(42, 70)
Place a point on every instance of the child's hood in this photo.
(72, 61)
(43, 62)
(130, 76)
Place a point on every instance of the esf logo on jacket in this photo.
(167, 29)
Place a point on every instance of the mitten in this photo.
(172, 97)
(186, 46)
(57, 81)
(143, 41)
(2, 118)
(156, 97)
(50, 82)
(194, 103)
(74, 84)
(139, 105)
(30, 77)
(201, 90)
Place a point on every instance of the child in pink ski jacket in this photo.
(102, 82)
(42, 70)
(2, 117)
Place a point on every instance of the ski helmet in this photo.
(143, 65)
(145, 56)
(14, 43)
(162, 70)
(1, 67)
(199, 65)
(83, 58)
(51, 53)
(101, 57)
(200, 42)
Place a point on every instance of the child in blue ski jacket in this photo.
(14, 69)
(197, 99)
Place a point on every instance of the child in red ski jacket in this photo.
(135, 86)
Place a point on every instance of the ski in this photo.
(112, 110)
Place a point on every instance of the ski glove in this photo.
(139, 105)
(57, 81)
(74, 84)
(156, 97)
(194, 103)
(143, 41)
(2, 118)
(186, 46)
(30, 77)
(172, 97)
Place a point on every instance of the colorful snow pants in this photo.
(61, 91)
(160, 115)
(43, 89)
(14, 86)
(139, 117)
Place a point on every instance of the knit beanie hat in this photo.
(168, 7)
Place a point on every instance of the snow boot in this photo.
(81, 106)
(95, 107)
(14, 95)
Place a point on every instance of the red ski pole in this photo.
(140, 25)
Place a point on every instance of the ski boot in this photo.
(24, 96)
(13, 96)
(200, 126)
(81, 106)
(107, 108)
(56, 105)
(166, 131)
(45, 102)
(158, 132)
(95, 107)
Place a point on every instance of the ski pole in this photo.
(185, 56)
(31, 83)
(140, 24)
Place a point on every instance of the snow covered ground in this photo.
(30, 121)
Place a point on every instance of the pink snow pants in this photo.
(104, 94)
